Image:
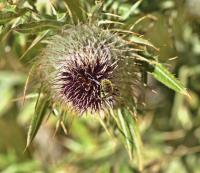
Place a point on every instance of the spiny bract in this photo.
(75, 62)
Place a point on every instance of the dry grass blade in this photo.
(141, 19)
(104, 22)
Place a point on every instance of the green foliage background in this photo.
(168, 125)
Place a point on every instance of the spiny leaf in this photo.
(165, 77)
(137, 142)
(40, 111)
(38, 26)
(128, 127)
(124, 129)
(8, 16)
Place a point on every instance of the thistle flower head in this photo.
(80, 77)
(83, 68)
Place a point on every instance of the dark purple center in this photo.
(81, 82)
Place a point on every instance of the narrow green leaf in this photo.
(128, 127)
(137, 142)
(38, 26)
(164, 76)
(40, 111)
(125, 131)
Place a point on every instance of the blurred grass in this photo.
(169, 125)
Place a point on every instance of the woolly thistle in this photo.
(88, 69)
